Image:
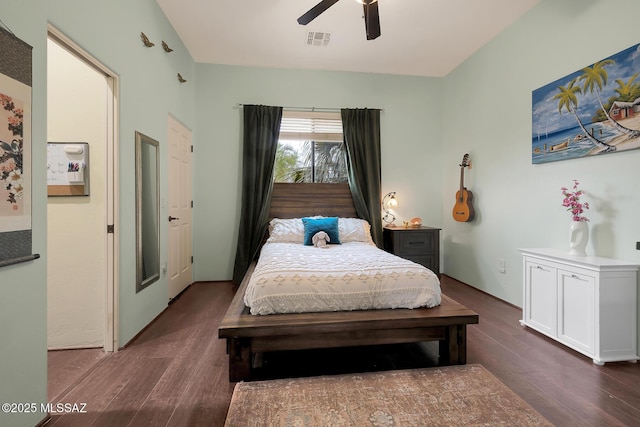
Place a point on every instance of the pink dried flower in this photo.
(571, 201)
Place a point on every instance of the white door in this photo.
(180, 205)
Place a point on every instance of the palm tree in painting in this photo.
(595, 78)
(568, 99)
(628, 91)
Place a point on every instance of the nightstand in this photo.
(417, 244)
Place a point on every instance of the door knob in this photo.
(172, 218)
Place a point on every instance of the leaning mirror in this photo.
(147, 212)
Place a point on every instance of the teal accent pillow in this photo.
(314, 225)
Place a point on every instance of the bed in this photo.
(248, 335)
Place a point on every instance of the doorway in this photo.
(81, 266)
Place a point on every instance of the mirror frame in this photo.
(141, 281)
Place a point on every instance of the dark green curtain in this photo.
(260, 141)
(361, 130)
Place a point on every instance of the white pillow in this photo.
(354, 230)
(292, 230)
(286, 231)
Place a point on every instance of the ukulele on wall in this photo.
(463, 209)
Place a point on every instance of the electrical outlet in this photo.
(502, 265)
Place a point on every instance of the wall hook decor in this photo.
(166, 47)
(146, 40)
(181, 79)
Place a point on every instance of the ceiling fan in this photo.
(371, 17)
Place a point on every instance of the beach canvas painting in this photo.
(593, 111)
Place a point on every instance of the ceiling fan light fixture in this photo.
(370, 15)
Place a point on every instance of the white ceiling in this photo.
(419, 37)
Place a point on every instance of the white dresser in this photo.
(586, 303)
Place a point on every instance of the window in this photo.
(310, 148)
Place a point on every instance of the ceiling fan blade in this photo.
(315, 11)
(371, 20)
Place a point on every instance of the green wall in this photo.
(410, 133)
(487, 113)
(23, 306)
(149, 92)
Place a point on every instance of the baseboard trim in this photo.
(172, 300)
(77, 348)
(480, 290)
(44, 421)
(136, 336)
(213, 282)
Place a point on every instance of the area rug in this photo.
(467, 395)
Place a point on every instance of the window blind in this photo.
(311, 126)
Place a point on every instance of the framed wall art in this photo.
(68, 169)
(15, 150)
(592, 111)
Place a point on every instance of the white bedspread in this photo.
(293, 278)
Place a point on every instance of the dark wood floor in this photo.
(175, 372)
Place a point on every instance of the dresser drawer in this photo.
(429, 261)
(416, 243)
(420, 245)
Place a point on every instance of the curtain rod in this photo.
(336, 110)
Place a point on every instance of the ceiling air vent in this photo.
(318, 38)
